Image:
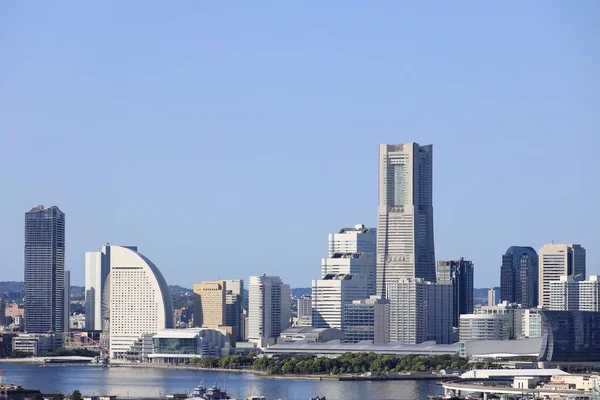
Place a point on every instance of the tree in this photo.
(37, 396)
(58, 396)
(76, 395)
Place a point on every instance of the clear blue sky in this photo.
(228, 139)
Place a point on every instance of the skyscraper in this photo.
(44, 270)
(234, 305)
(459, 274)
(519, 276)
(405, 247)
(268, 308)
(139, 300)
(556, 260)
(96, 271)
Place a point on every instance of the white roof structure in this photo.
(188, 333)
(337, 348)
(507, 373)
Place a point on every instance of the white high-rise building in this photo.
(405, 247)
(359, 239)
(351, 263)
(140, 301)
(568, 294)
(331, 294)
(352, 251)
(268, 309)
(420, 311)
(484, 327)
(589, 294)
(556, 260)
(96, 271)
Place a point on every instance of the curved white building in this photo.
(139, 302)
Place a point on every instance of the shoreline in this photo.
(316, 377)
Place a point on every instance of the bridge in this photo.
(457, 387)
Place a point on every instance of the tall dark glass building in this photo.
(459, 274)
(44, 270)
(519, 276)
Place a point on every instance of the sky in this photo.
(227, 139)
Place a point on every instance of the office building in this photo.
(367, 320)
(531, 324)
(234, 305)
(44, 270)
(420, 311)
(351, 263)
(268, 309)
(209, 304)
(484, 327)
(570, 336)
(331, 294)
(139, 300)
(459, 274)
(556, 260)
(67, 302)
(519, 276)
(358, 239)
(589, 294)
(2, 312)
(513, 312)
(96, 272)
(569, 294)
(405, 247)
(304, 307)
(493, 296)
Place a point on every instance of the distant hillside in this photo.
(177, 288)
(303, 291)
(11, 286)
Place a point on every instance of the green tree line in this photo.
(347, 363)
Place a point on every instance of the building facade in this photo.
(420, 311)
(351, 263)
(234, 306)
(570, 336)
(556, 260)
(180, 345)
(96, 272)
(139, 300)
(268, 308)
(459, 274)
(519, 276)
(304, 307)
(45, 270)
(569, 294)
(331, 294)
(484, 327)
(405, 244)
(209, 304)
(367, 320)
(358, 239)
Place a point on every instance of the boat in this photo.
(212, 393)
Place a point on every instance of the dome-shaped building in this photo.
(139, 302)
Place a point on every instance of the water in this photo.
(157, 382)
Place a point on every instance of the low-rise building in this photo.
(33, 343)
(308, 334)
(180, 345)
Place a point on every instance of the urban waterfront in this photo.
(158, 382)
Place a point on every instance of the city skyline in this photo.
(226, 119)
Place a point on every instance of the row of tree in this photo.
(347, 363)
(76, 395)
